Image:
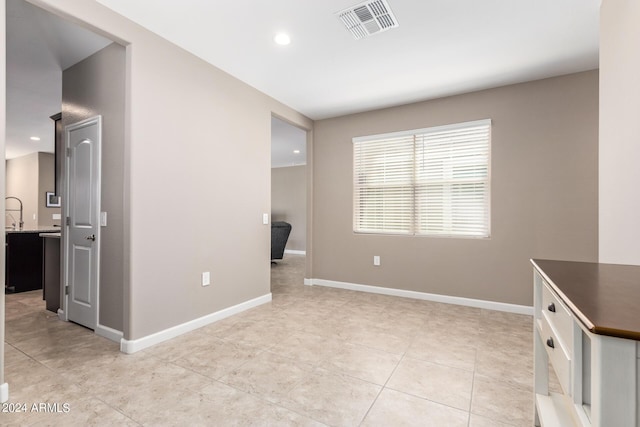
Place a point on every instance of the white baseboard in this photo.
(132, 346)
(490, 305)
(4, 392)
(294, 252)
(108, 333)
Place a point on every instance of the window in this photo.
(433, 181)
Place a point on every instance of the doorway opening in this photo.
(288, 200)
(57, 70)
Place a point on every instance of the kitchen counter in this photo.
(47, 229)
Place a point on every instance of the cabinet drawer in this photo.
(558, 315)
(559, 354)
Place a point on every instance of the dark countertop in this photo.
(47, 229)
(605, 297)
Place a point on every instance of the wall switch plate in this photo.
(56, 216)
(376, 260)
(265, 218)
(34, 216)
(103, 219)
(206, 278)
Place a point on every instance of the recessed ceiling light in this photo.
(35, 138)
(282, 39)
(296, 151)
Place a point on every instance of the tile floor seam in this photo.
(332, 372)
(17, 349)
(473, 382)
(188, 369)
(511, 384)
(86, 391)
(375, 348)
(428, 400)
(115, 408)
(37, 361)
(301, 381)
(271, 402)
(382, 389)
(442, 364)
(295, 384)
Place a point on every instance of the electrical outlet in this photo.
(206, 278)
(376, 260)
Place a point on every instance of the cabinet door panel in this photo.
(24, 262)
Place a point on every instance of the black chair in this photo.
(280, 231)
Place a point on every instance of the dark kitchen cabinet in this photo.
(23, 258)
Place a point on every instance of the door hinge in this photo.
(68, 221)
(66, 290)
(68, 152)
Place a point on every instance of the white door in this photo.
(83, 141)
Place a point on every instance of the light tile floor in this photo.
(313, 356)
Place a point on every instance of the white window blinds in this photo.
(433, 181)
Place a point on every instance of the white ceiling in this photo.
(442, 47)
(39, 46)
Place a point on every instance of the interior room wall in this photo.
(22, 182)
(46, 183)
(619, 131)
(96, 86)
(189, 127)
(29, 178)
(289, 203)
(544, 193)
(4, 387)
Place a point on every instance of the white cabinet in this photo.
(598, 373)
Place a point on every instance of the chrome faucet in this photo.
(21, 223)
(14, 223)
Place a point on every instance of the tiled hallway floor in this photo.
(314, 356)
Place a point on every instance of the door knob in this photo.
(91, 237)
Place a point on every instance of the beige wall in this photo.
(46, 183)
(96, 86)
(3, 116)
(29, 178)
(22, 182)
(188, 127)
(619, 131)
(544, 193)
(289, 202)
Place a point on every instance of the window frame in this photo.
(414, 228)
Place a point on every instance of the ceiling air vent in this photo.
(368, 18)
